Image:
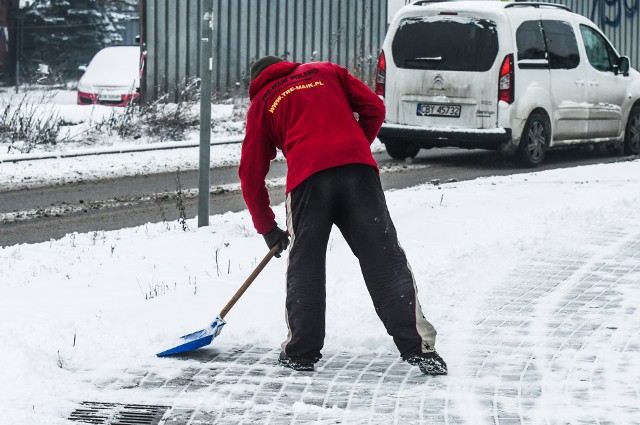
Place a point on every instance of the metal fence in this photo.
(619, 19)
(348, 32)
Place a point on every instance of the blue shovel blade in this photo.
(197, 339)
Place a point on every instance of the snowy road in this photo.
(34, 211)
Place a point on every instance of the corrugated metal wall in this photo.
(619, 20)
(348, 32)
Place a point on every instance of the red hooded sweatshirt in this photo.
(306, 111)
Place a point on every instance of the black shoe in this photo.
(429, 363)
(295, 364)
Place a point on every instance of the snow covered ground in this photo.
(88, 307)
(502, 265)
(86, 129)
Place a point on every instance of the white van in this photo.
(521, 77)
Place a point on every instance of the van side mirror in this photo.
(82, 68)
(623, 66)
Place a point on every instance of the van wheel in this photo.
(535, 140)
(632, 133)
(401, 149)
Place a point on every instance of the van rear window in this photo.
(445, 43)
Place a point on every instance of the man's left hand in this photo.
(277, 236)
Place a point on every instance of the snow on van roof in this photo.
(467, 5)
(477, 7)
(441, 18)
(473, 5)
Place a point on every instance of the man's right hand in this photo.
(277, 236)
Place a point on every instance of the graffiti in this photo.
(610, 12)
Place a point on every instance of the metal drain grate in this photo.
(118, 414)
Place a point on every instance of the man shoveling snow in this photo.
(324, 121)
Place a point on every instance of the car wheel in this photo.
(535, 140)
(632, 132)
(401, 149)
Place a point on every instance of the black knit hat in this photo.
(262, 63)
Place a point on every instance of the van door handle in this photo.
(594, 83)
(579, 83)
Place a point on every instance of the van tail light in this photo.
(506, 82)
(381, 74)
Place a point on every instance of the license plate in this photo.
(110, 97)
(438, 110)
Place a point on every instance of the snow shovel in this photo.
(204, 337)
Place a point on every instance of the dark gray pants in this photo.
(350, 197)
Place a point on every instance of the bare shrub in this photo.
(23, 125)
(159, 120)
(122, 123)
(182, 213)
(171, 121)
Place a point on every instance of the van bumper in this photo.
(432, 137)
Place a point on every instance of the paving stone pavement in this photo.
(558, 343)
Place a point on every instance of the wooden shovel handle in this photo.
(249, 281)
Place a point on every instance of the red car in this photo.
(112, 77)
